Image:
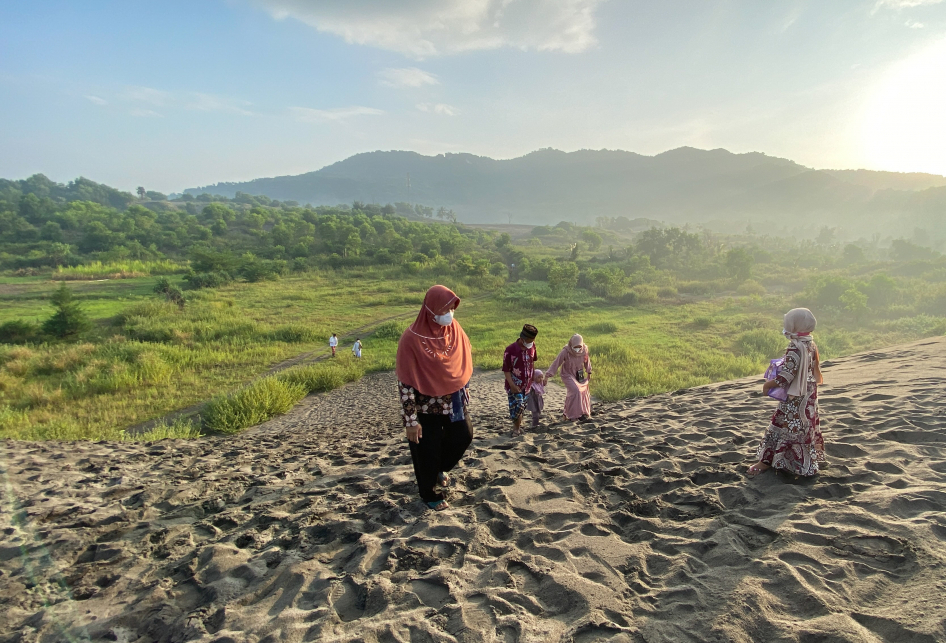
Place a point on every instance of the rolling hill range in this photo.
(712, 187)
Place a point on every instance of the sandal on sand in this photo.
(757, 468)
(444, 480)
(438, 505)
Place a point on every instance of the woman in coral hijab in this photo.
(434, 364)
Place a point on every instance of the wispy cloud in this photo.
(309, 115)
(211, 103)
(197, 101)
(147, 95)
(913, 24)
(437, 108)
(422, 28)
(146, 113)
(902, 4)
(406, 77)
(96, 100)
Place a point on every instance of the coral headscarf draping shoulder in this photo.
(435, 359)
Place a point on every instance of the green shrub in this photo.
(389, 330)
(761, 343)
(603, 327)
(666, 292)
(12, 422)
(826, 292)
(325, 376)
(296, 334)
(197, 280)
(703, 322)
(180, 429)
(258, 402)
(563, 276)
(630, 298)
(645, 294)
(538, 296)
(750, 287)
(69, 319)
(18, 331)
(698, 287)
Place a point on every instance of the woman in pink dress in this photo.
(576, 375)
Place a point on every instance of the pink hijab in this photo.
(568, 360)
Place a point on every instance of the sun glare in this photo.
(904, 125)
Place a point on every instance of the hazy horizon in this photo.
(180, 95)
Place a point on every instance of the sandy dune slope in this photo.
(637, 527)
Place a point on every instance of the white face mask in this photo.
(445, 319)
(529, 344)
(577, 349)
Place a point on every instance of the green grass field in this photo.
(145, 357)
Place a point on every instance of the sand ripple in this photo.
(636, 527)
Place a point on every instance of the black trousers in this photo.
(440, 448)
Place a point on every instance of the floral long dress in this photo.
(788, 444)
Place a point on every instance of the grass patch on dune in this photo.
(274, 395)
(256, 403)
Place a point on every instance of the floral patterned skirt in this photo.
(788, 444)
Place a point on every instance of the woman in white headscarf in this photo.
(793, 441)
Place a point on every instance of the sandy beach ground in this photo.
(637, 527)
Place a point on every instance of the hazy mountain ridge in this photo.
(685, 184)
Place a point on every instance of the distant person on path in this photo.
(576, 376)
(793, 441)
(333, 342)
(433, 366)
(356, 348)
(518, 367)
(536, 403)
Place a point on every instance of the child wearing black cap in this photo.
(518, 367)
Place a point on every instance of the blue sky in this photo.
(177, 94)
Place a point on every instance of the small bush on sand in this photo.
(180, 429)
(258, 402)
(324, 376)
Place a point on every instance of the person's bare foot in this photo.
(758, 468)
